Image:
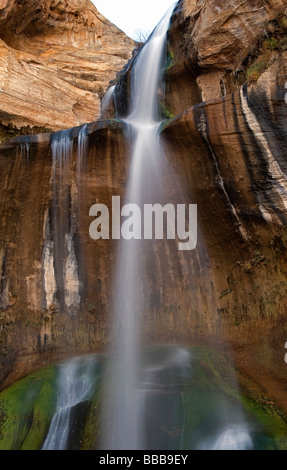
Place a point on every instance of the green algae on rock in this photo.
(26, 409)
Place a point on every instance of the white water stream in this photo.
(124, 422)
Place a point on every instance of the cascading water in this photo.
(82, 149)
(106, 101)
(76, 384)
(124, 422)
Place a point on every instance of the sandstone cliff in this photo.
(56, 61)
(228, 62)
(214, 44)
(227, 144)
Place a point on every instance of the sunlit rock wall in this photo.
(56, 61)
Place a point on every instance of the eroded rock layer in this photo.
(56, 61)
(213, 44)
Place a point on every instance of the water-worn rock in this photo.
(56, 61)
(232, 152)
(212, 42)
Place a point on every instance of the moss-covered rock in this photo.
(26, 410)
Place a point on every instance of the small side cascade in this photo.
(25, 150)
(107, 102)
(82, 149)
(76, 385)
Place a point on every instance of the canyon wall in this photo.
(56, 61)
(226, 144)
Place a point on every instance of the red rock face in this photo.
(212, 43)
(229, 154)
(232, 150)
(56, 61)
(222, 149)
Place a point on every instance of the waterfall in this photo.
(124, 420)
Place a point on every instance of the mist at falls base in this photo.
(179, 403)
(187, 397)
